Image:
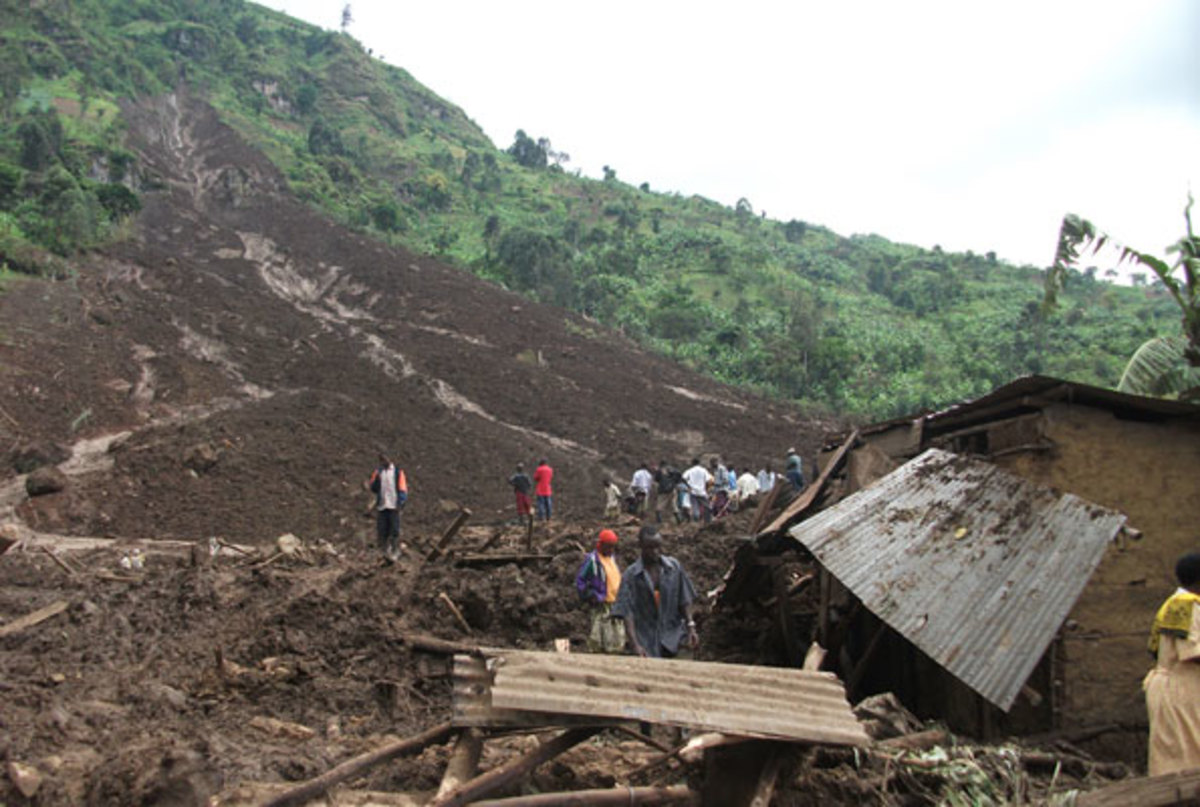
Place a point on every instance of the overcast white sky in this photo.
(969, 125)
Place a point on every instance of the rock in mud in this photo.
(44, 480)
(27, 778)
(28, 457)
(201, 457)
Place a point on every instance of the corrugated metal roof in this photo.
(1035, 391)
(976, 567)
(771, 702)
(472, 701)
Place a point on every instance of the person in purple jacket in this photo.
(598, 580)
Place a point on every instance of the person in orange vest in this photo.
(390, 487)
(597, 581)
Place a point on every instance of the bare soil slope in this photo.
(258, 355)
(230, 372)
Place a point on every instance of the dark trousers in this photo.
(797, 479)
(387, 526)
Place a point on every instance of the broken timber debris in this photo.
(1167, 790)
(352, 767)
(470, 791)
(809, 494)
(458, 615)
(464, 760)
(62, 564)
(609, 797)
(29, 620)
(499, 558)
(448, 535)
(432, 644)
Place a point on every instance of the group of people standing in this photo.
(698, 493)
(541, 486)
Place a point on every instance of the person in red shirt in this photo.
(543, 490)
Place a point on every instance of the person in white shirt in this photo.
(612, 499)
(766, 479)
(698, 481)
(640, 487)
(747, 488)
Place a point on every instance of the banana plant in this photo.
(1166, 366)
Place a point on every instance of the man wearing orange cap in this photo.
(597, 582)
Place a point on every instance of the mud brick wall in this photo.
(1151, 472)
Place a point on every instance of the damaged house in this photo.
(997, 564)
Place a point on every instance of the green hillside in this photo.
(856, 325)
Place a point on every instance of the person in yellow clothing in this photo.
(1173, 686)
(597, 582)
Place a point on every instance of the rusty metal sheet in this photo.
(769, 702)
(1036, 392)
(472, 702)
(975, 566)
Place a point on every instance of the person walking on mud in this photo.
(544, 490)
(655, 600)
(390, 487)
(597, 581)
(794, 468)
(522, 486)
(698, 480)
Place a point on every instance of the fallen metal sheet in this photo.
(975, 566)
(472, 702)
(769, 702)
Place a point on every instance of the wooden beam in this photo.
(766, 506)
(767, 777)
(458, 615)
(608, 797)
(432, 644)
(497, 558)
(917, 741)
(513, 770)
(860, 669)
(29, 620)
(448, 535)
(784, 614)
(809, 494)
(464, 760)
(1169, 789)
(313, 788)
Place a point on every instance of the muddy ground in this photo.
(227, 375)
(157, 686)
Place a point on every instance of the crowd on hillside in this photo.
(698, 493)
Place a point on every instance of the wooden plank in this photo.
(607, 797)
(463, 764)
(513, 770)
(448, 535)
(810, 494)
(498, 558)
(29, 620)
(313, 788)
(767, 778)
(766, 506)
(1182, 787)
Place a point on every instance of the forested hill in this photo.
(856, 325)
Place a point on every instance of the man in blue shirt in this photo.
(655, 600)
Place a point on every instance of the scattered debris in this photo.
(35, 618)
